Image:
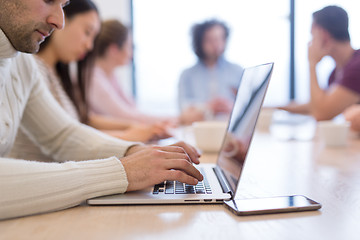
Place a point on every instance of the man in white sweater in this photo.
(30, 187)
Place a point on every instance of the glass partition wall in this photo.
(260, 31)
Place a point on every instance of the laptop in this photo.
(220, 179)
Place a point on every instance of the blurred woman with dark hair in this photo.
(113, 49)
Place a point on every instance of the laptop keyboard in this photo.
(176, 187)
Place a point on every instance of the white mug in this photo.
(334, 134)
(265, 119)
(209, 135)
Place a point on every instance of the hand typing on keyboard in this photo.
(176, 187)
(146, 166)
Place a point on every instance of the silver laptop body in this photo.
(220, 179)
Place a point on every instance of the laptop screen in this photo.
(242, 123)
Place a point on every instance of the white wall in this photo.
(119, 9)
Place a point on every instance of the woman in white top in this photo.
(30, 187)
(113, 49)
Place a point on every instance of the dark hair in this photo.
(112, 32)
(198, 32)
(335, 20)
(76, 90)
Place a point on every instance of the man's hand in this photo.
(317, 47)
(181, 146)
(192, 114)
(146, 133)
(190, 150)
(220, 105)
(352, 114)
(149, 165)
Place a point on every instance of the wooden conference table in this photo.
(275, 167)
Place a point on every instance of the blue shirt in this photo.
(200, 84)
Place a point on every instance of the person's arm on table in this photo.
(107, 123)
(297, 108)
(220, 105)
(142, 133)
(148, 165)
(30, 187)
(128, 131)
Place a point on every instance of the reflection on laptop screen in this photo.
(246, 109)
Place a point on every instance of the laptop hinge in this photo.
(222, 180)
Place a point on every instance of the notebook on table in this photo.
(220, 179)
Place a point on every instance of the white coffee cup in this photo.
(209, 135)
(334, 134)
(265, 119)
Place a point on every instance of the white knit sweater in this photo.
(30, 187)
